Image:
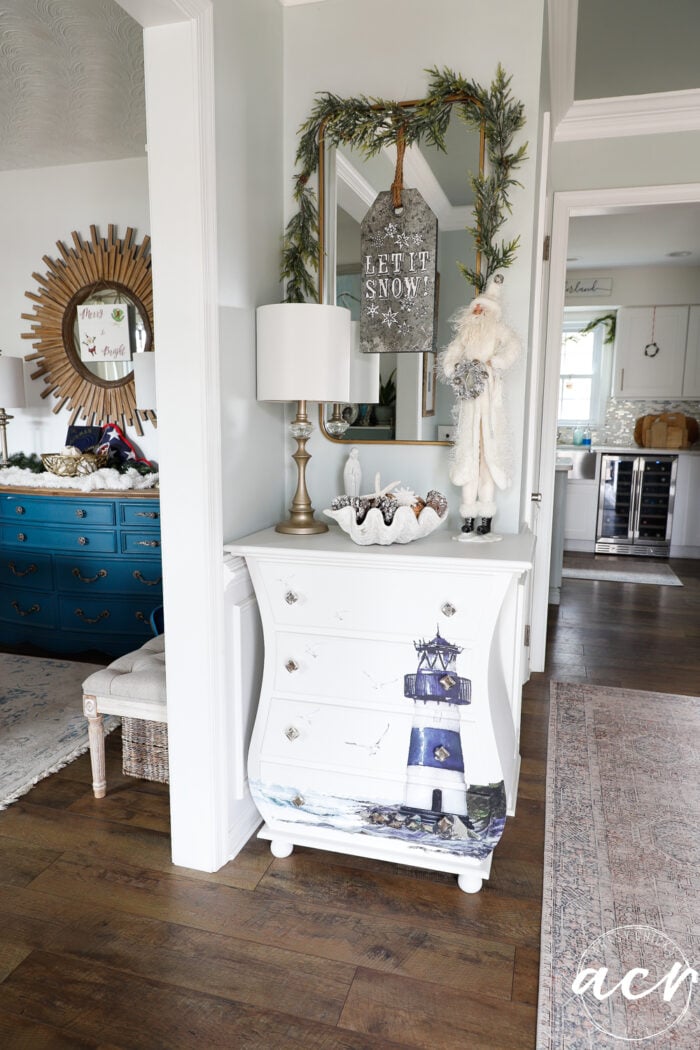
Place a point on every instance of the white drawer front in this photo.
(382, 600)
(329, 736)
(360, 670)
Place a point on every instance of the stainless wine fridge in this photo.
(635, 505)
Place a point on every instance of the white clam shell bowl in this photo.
(403, 529)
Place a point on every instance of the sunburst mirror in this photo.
(96, 272)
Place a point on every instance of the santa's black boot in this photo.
(468, 525)
(484, 527)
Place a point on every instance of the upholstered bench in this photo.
(133, 686)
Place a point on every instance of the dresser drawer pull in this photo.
(142, 579)
(80, 513)
(291, 666)
(448, 682)
(148, 543)
(291, 598)
(146, 514)
(448, 609)
(22, 537)
(141, 617)
(291, 732)
(19, 509)
(83, 541)
(298, 801)
(104, 615)
(441, 754)
(21, 572)
(26, 612)
(99, 575)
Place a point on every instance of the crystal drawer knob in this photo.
(22, 537)
(19, 509)
(291, 598)
(447, 681)
(448, 609)
(80, 513)
(298, 801)
(291, 732)
(291, 666)
(82, 540)
(441, 753)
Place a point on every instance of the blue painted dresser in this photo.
(78, 572)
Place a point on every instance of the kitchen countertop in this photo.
(694, 451)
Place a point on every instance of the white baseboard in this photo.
(246, 820)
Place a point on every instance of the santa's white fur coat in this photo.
(481, 455)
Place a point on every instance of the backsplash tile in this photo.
(621, 416)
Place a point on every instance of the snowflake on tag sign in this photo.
(406, 305)
(391, 229)
(389, 318)
(377, 240)
(417, 240)
(403, 240)
(372, 309)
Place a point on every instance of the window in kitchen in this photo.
(586, 369)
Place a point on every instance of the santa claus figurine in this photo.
(482, 349)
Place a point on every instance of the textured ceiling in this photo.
(71, 83)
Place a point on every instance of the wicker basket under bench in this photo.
(133, 688)
(145, 749)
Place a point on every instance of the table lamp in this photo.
(11, 393)
(364, 382)
(303, 354)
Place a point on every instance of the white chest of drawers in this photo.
(389, 713)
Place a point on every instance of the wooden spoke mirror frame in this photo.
(88, 269)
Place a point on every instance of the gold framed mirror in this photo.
(371, 125)
(100, 271)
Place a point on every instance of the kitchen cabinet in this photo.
(685, 532)
(581, 511)
(389, 714)
(650, 352)
(691, 374)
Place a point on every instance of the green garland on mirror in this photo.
(371, 123)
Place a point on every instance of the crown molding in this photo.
(651, 114)
(562, 17)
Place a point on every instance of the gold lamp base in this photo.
(301, 521)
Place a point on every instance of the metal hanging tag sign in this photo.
(399, 265)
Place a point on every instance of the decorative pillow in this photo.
(119, 447)
(84, 438)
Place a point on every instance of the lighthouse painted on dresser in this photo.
(436, 781)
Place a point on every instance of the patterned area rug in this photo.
(658, 575)
(42, 726)
(621, 886)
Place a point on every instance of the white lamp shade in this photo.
(303, 352)
(364, 372)
(11, 382)
(145, 380)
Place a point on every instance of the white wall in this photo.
(634, 160)
(40, 207)
(641, 286)
(360, 46)
(249, 137)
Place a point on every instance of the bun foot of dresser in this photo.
(280, 848)
(469, 883)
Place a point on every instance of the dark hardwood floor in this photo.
(103, 943)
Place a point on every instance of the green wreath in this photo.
(371, 123)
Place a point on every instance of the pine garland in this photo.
(371, 123)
